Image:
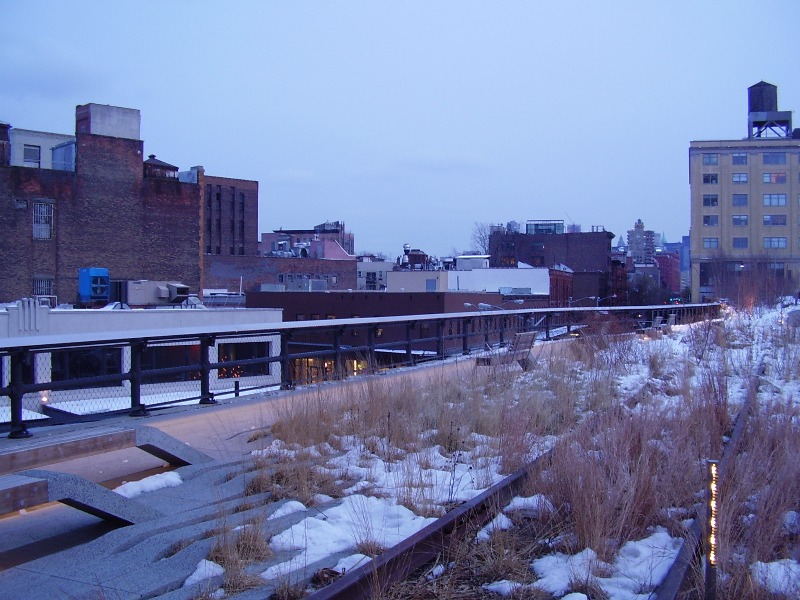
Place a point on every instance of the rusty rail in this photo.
(398, 562)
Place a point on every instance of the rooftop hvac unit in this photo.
(93, 285)
(177, 292)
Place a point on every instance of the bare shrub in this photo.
(701, 336)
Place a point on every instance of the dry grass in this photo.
(289, 591)
(632, 464)
(297, 479)
(466, 565)
(235, 550)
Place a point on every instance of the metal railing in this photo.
(55, 379)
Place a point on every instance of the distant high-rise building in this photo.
(641, 244)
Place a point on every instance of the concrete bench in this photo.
(519, 351)
(23, 484)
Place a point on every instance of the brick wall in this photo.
(22, 257)
(230, 216)
(224, 271)
(105, 215)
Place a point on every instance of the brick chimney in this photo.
(5, 145)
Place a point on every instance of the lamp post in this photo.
(597, 299)
(570, 302)
(485, 306)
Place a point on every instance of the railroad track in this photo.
(399, 562)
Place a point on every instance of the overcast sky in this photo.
(412, 120)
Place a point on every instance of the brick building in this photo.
(546, 244)
(106, 212)
(669, 268)
(253, 272)
(138, 218)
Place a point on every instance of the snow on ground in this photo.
(357, 521)
(206, 569)
(131, 489)
(778, 577)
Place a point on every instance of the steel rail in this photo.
(398, 562)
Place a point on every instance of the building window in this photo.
(774, 199)
(710, 242)
(777, 268)
(42, 286)
(740, 200)
(739, 159)
(740, 220)
(740, 242)
(739, 178)
(774, 158)
(711, 159)
(710, 178)
(32, 156)
(710, 220)
(42, 221)
(771, 220)
(774, 242)
(243, 351)
(710, 200)
(774, 177)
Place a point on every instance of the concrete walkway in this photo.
(221, 431)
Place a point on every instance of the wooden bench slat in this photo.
(57, 449)
(18, 492)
